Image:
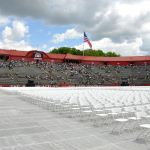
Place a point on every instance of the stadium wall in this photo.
(92, 62)
(59, 58)
(122, 63)
(141, 62)
(55, 86)
(16, 58)
(59, 85)
(30, 59)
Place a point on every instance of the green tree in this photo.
(87, 52)
(101, 53)
(54, 51)
(112, 54)
(63, 50)
(73, 51)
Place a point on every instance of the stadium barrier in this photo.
(58, 85)
(69, 85)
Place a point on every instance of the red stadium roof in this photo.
(127, 58)
(15, 52)
(76, 57)
(3, 52)
(56, 56)
(73, 57)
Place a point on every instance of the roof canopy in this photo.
(75, 57)
(3, 52)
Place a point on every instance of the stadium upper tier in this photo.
(35, 55)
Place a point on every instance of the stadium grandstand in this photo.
(40, 68)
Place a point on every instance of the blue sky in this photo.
(118, 26)
(39, 35)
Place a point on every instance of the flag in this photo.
(87, 40)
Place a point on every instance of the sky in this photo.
(121, 26)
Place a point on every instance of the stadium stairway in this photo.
(53, 76)
(96, 76)
(112, 72)
(109, 69)
(132, 75)
(14, 77)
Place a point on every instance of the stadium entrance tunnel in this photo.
(125, 83)
(131, 63)
(73, 61)
(2, 57)
(37, 61)
(7, 57)
(30, 83)
(105, 63)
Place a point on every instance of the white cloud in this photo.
(120, 21)
(69, 34)
(4, 21)
(17, 32)
(51, 48)
(10, 35)
(44, 46)
(9, 44)
(125, 48)
(133, 10)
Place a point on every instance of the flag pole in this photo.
(83, 48)
(83, 45)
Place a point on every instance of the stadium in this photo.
(48, 69)
(74, 75)
(62, 101)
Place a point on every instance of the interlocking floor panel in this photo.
(25, 126)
